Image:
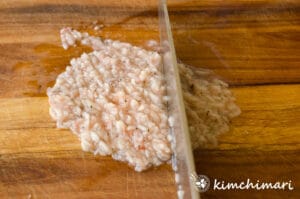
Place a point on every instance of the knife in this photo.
(182, 159)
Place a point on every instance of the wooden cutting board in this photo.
(254, 46)
(36, 159)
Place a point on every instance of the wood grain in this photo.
(254, 45)
(240, 40)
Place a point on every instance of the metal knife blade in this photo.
(182, 160)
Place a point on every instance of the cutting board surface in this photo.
(36, 159)
(253, 45)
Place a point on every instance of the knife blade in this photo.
(182, 159)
